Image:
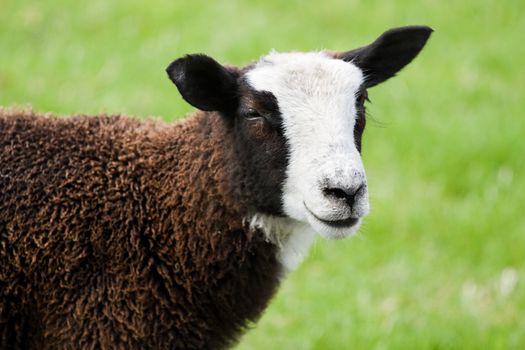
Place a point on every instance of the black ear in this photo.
(204, 83)
(389, 53)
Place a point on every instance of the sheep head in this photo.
(298, 119)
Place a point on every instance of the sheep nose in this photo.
(347, 195)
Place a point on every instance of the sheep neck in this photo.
(211, 256)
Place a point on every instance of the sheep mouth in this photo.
(343, 223)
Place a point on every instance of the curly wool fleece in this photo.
(113, 236)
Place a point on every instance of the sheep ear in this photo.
(204, 83)
(389, 53)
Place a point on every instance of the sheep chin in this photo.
(336, 231)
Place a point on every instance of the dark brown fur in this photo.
(122, 234)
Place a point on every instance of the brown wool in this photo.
(125, 234)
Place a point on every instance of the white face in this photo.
(325, 180)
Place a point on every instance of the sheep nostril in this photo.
(335, 193)
(348, 195)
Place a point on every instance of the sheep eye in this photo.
(252, 114)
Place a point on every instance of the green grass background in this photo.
(440, 262)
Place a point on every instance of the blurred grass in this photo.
(440, 262)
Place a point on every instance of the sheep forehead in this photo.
(312, 75)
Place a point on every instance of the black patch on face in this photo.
(261, 148)
(360, 123)
(260, 152)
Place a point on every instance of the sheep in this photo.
(126, 234)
